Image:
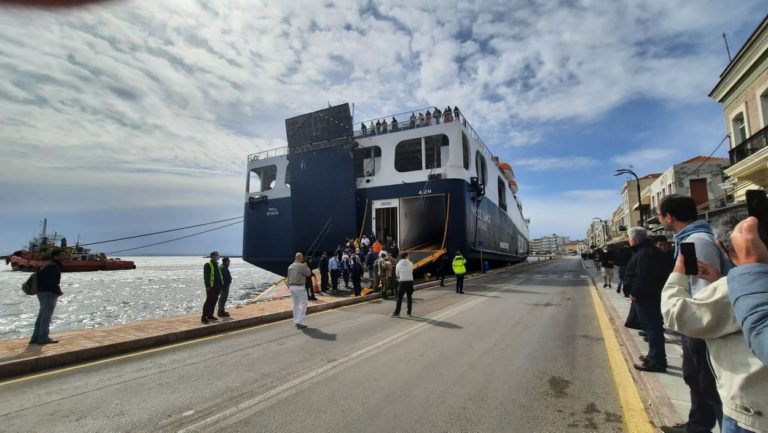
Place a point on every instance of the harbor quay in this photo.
(18, 357)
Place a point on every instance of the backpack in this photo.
(30, 286)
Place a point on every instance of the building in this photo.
(598, 233)
(743, 92)
(700, 177)
(629, 212)
(548, 244)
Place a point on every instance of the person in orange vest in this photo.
(376, 247)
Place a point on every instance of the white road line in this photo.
(254, 405)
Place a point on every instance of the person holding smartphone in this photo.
(742, 380)
(677, 213)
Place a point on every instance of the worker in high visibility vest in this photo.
(459, 268)
(214, 281)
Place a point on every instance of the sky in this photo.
(127, 117)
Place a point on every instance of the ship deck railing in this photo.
(403, 124)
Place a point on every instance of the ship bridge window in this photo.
(502, 193)
(262, 178)
(481, 168)
(367, 160)
(436, 151)
(465, 150)
(408, 155)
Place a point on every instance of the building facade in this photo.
(743, 92)
(549, 244)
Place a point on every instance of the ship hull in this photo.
(30, 265)
(421, 217)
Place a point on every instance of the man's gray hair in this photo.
(637, 233)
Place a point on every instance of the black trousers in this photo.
(459, 283)
(211, 296)
(356, 284)
(706, 408)
(324, 281)
(405, 288)
(335, 278)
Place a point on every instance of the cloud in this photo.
(643, 160)
(559, 163)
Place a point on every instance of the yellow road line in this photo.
(634, 415)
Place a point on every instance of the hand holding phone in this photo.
(757, 206)
(688, 250)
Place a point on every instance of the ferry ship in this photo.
(435, 188)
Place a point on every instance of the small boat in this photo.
(77, 258)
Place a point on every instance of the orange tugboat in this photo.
(78, 259)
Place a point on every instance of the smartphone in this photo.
(688, 250)
(757, 206)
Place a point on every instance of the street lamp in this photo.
(621, 171)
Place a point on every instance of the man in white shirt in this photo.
(298, 272)
(404, 273)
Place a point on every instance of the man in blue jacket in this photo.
(748, 287)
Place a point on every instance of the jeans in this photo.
(730, 426)
(223, 298)
(43, 322)
(406, 288)
(649, 313)
(706, 408)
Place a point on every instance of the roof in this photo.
(702, 159)
(651, 176)
(763, 25)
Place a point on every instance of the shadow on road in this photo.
(318, 334)
(439, 323)
(480, 294)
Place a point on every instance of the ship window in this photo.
(262, 178)
(481, 168)
(502, 193)
(435, 150)
(367, 159)
(465, 150)
(408, 155)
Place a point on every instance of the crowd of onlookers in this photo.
(415, 121)
(717, 305)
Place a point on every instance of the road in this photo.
(521, 351)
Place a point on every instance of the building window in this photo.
(262, 178)
(764, 107)
(367, 159)
(481, 168)
(435, 149)
(739, 129)
(502, 193)
(465, 150)
(408, 155)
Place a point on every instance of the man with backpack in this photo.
(48, 292)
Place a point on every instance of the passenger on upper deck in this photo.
(362, 128)
(384, 125)
(413, 120)
(428, 118)
(421, 119)
(447, 116)
(394, 124)
(378, 127)
(437, 115)
(456, 113)
(372, 128)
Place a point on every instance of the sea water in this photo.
(158, 287)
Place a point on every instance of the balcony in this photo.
(757, 141)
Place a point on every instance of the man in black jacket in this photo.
(646, 273)
(224, 294)
(48, 292)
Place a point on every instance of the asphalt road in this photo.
(521, 351)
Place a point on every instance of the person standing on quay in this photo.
(442, 268)
(298, 272)
(48, 292)
(225, 288)
(459, 268)
(214, 281)
(356, 273)
(324, 272)
(334, 266)
(404, 273)
(308, 281)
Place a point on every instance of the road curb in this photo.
(655, 398)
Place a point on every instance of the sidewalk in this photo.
(17, 357)
(665, 394)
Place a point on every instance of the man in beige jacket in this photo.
(742, 380)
